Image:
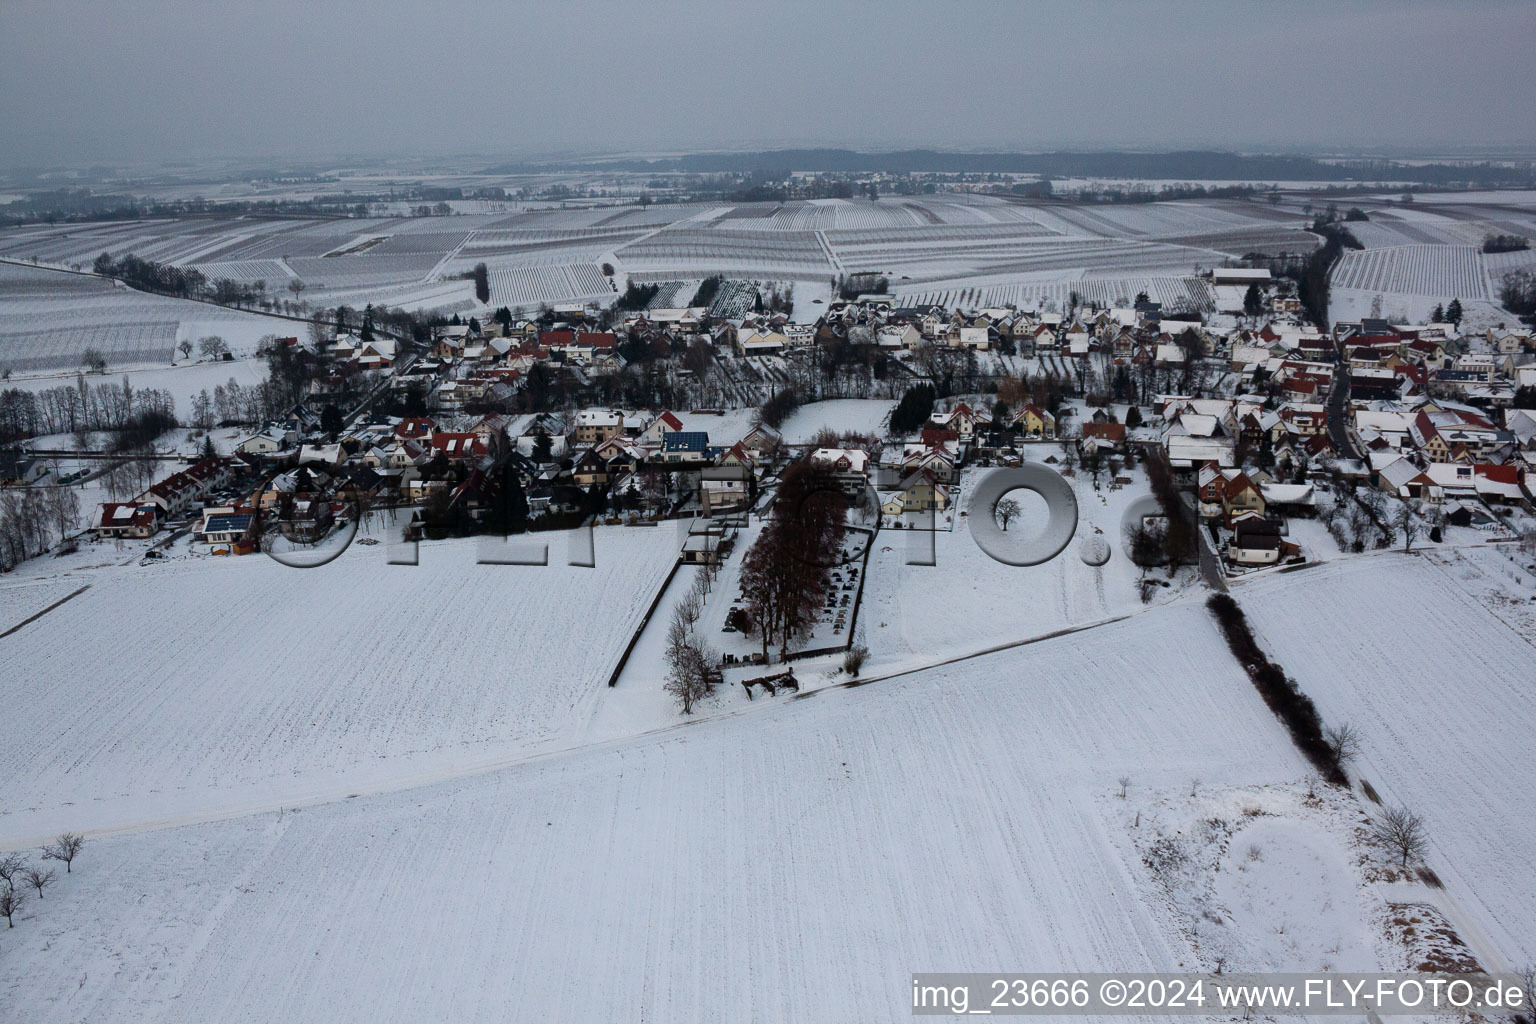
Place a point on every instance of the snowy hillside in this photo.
(238, 684)
(792, 863)
(1406, 649)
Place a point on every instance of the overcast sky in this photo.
(153, 80)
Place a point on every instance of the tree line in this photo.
(784, 576)
(82, 408)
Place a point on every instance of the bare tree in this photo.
(1402, 831)
(11, 867)
(39, 879)
(184, 346)
(1006, 512)
(1408, 523)
(690, 664)
(854, 659)
(11, 901)
(1125, 784)
(65, 848)
(1344, 741)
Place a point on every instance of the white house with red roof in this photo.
(126, 519)
(658, 428)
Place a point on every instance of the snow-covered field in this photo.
(915, 610)
(794, 862)
(207, 684)
(843, 415)
(961, 248)
(1422, 654)
(48, 319)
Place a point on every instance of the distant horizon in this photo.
(491, 163)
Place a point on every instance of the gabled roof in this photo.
(1104, 431)
(667, 420)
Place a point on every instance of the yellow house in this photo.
(1035, 421)
(920, 492)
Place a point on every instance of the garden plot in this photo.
(251, 683)
(946, 820)
(1439, 688)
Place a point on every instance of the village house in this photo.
(1035, 422)
(456, 446)
(595, 425)
(658, 428)
(850, 466)
(919, 492)
(226, 525)
(126, 519)
(1256, 541)
(1103, 437)
(726, 488)
(1227, 493)
(685, 446)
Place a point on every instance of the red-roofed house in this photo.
(1103, 435)
(413, 428)
(126, 519)
(659, 427)
(459, 446)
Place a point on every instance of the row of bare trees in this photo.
(33, 518)
(691, 663)
(17, 874)
(784, 576)
(79, 408)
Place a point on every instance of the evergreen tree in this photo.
(510, 510)
(209, 452)
(1438, 315)
(1253, 301)
(1453, 313)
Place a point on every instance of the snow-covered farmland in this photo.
(1450, 270)
(49, 318)
(796, 861)
(1412, 650)
(201, 685)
